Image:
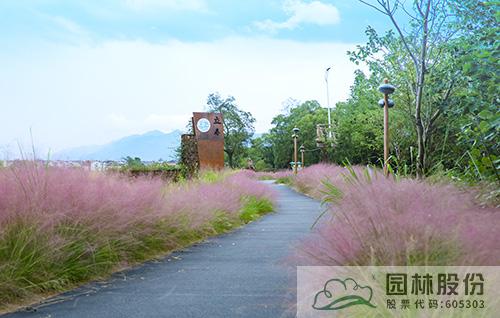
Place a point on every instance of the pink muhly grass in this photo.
(50, 196)
(249, 187)
(280, 174)
(382, 221)
(200, 201)
(64, 225)
(310, 179)
(250, 174)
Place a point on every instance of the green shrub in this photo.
(255, 208)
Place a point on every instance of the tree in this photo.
(276, 147)
(358, 124)
(238, 126)
(424, 46)
(478, 24)
(261, 152)
(135, 162)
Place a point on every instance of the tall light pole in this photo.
(328, 103)
(295, 136)
(302, 150)
(386, 89)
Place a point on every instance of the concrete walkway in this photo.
(240, 274)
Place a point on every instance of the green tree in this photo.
(277, 145)
(238, 126)
(261, 152)
(131, 162)
(421, 51)
(478, 24)
(358, 124)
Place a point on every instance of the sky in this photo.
(85, 72)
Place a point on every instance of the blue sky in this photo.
(87, 72)
(191, 20)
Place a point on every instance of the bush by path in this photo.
(374, 220)
(60, 227)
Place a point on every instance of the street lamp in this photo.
(386, 89)
(328, 103)
(302, 149)
(381, 103)
(295, 136)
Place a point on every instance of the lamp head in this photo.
(381, 103)
(386, 88)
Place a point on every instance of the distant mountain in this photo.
(150, 146)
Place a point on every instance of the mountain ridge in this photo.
(149, 146)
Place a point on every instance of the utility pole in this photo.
(328, 103)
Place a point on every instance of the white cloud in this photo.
(93, 94)
(166, 4)
(69, 25)
(162, 122)
(66, 29)
(301, 12)
(119, 120)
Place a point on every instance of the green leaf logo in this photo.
(339, 294)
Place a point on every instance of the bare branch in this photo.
(433, 19)
(374, 7)
(403, 39)
(409, 14)
(395, 8)
(419, 8)
(436, 58)
(387, 8)
(448, 92)
(428, 9)
(443, 101)
(433, 119)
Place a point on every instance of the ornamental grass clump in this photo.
(310, 180)
(198, 203)
(376, 220)
(63, 226)
(280, 176)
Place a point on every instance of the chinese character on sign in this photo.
(471, 282)
(391, 303)
(447, 284)
(433, 304)
(217, 132)
(421, 285)
(405, 304)
(419, 304)
(217, 121)
(396, 284)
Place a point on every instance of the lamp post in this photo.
(295, 136)
(328, 103)
(302, 150)
(386, 89)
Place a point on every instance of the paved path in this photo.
(240, 274)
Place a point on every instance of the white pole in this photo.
(328, 103)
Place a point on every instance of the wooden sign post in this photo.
(209, 132)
